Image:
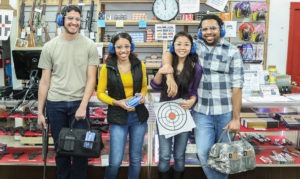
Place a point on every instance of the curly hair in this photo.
(213, 17)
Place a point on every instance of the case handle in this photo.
(86, 119)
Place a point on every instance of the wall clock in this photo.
(165, 10)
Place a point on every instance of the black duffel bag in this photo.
(79, 142)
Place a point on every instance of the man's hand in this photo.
(167, 63)
(172, 86)
(233, 125)
(166, 69)
(80, 113)
(42, 121)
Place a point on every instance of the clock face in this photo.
(165, 10)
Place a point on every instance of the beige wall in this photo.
(278, 33)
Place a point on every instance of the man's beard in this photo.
(210, 44)
(68, 32)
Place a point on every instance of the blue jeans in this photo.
(207, 132)
(118, 138)
(165, 151)
(60, 114)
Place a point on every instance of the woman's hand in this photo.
(122, 104)
(143, 98)
(187, 104)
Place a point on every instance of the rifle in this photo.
(22, 17)
(89, 16)
(45, 139)
(90, 21)
(44, 24)
(38, 26)
(57, 13)
(80, 7)
(31, 41)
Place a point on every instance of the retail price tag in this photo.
(39, 32)
(99, 49)
(142, 24)
(82, 32)
(119, 23)
(101, 23)
(92, 35)
(259, 129)
(27, 30)
(23, 34)
(104, 160)
(38, 10)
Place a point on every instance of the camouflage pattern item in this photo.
(233, 156)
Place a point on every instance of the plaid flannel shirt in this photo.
(222, 70)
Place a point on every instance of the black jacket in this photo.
(116, 114)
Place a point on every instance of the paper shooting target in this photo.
(172, 119)
(171, 116)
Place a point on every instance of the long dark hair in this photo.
(115, 38)
(187, 74)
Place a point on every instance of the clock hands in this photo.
(165, 3)
(163, 11)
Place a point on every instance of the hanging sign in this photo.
(6, 17)
(189, 6)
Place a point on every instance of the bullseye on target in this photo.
(171, 116)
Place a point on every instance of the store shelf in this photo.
(131, 1)
(141, 44)
(266, 102)
(125, 1)
(152, 22)
(281, 128)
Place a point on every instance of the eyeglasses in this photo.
(212, 28)
(119, 47)
(182, 44)
(70, 18)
